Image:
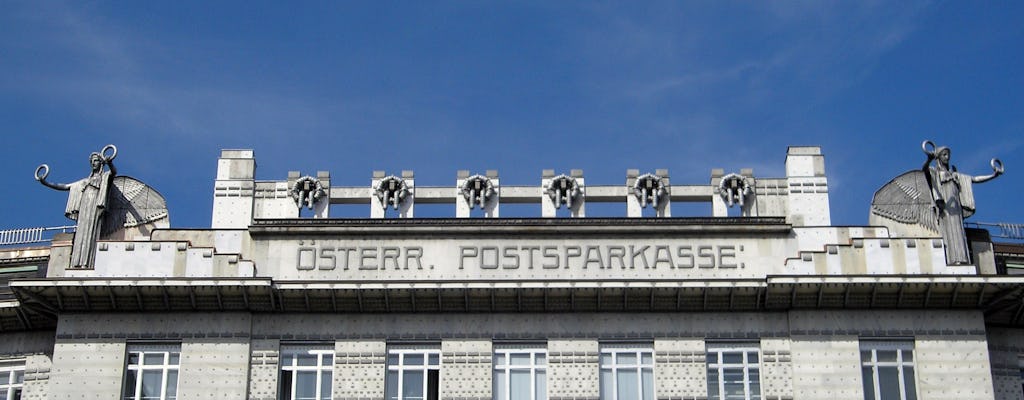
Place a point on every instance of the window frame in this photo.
(719, 365)
(167, 352)
(900, 346)
(431, 362)
(322, 352)
(10, 379)
(537, 369)
(614, 350)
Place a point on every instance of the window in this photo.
(519, 373)
(733, 372)
(413, 373)
(306, 372)
(12, 378)
(627, 372)
(888, 369)
(152, 372)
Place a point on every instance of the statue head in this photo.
(942, 153)
(96, 161)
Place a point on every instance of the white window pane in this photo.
(909, 383)
(542, 386)
(3, 394)
(175, 359)
(129, 384)
(520, 358)
(325, 386)
(606, 359)
(413, 359)
(648, 384)
(888, 383)
(626, 358)
(626, 382)
(328, 360)
(869, 382)
(435, 359)
(172, 384)
(499, 359)
(886, 355)
(305, 360)
(520, 385)
(713, 384)
(542, 359)
(607, 383)
(412, 384)
(647, 358)
(305, 385)
(19, 376)
(153, 358)
(391, 390)
(152, 382)
(732, 358)
(499, 385)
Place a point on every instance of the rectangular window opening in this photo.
(627, 371)
(151, 372)
(520, 372)
(733, 370)
(413, 372)
(887, 369)
(306, 372)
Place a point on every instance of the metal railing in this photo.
(32, 235)
(1002, 229)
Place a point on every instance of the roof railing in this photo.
(32, 235)
(1002, 229)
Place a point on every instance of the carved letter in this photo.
(552, 253)
(389, 253)
(659, 258)
(686, 254)
(484, 264)
(617, 252)
(510, 253)
(367, 253)
(307, 258)
(572, 251)
(413, 253)
(529, 254)
(634, 254)
(706, 252)
(726, 252)
(596, 258)
(467, 251)
(327, 260)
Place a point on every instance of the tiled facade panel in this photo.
(777, 369)
(573, 369)
(826, 367)
(679, 368)
(264, 357)
(466, 369)
(359, 367)
(213, 369)
(953, 368)
(87, 369)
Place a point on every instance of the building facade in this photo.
(763, 299)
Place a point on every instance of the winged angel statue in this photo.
(935, 198)
(106, 205)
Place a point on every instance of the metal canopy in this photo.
(999, 296)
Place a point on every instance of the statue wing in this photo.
(907, 199)
(131, 203)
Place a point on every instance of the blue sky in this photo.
(518, 87)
